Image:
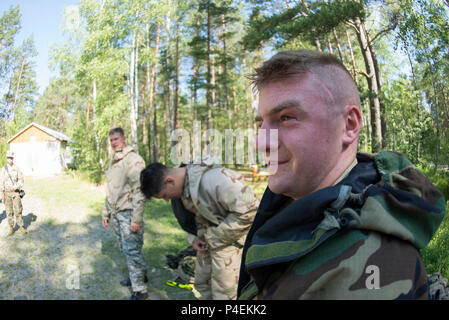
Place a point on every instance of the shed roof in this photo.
(51, 132)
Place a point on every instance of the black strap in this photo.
(186, 218)
(6, 167)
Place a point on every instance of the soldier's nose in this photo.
(267, 140)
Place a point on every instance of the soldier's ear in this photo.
(353, 123)
(169, 181)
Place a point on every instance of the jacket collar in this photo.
(119, 155)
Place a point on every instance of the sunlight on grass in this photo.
(67, 233)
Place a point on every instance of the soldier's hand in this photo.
(134, 227)
(105, 223)
(199, 245)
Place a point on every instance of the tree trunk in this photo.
(16, 93)
(151, 93)
(144, 117)
(88, 112)
(307, 13)
(378, 79)
(94, 116)
(133, 91)
(354, 69)
(225, 69)
(337, 42)
(176, 80)
(371, 76)
(209, 71)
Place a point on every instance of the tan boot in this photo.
(22, 229)
(11, 231)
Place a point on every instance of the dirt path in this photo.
(67, 254)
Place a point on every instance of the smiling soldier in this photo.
(333, 223)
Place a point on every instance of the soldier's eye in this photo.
(286, 118)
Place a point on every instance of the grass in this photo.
(436, 254)
(63, 217)
(66, 231)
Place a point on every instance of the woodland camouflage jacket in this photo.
(224, 207)
(359, 239)
(123, 185)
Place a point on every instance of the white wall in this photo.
(38, 158)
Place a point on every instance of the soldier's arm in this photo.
(2, 182)
(19, 183)
(2, 186)
(105, 214)
(135, 166)
(241, 205)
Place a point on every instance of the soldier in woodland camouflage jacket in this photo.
(224, 209)
(332, 224)
(124, 208)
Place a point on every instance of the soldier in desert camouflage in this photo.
(11, 182)
(224, 209)
(124, 208)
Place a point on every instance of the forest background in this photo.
(153, 66)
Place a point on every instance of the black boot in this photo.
(139, 296)
(127, 282)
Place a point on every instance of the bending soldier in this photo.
(224, 209)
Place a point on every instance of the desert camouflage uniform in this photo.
(13, 203)
(438, 289)
(224, 210)
(125, 204)
(358, 239)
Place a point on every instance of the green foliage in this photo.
(308, 23)
(439, 177)
(17, 83)
(408, 123)
(436, 254)
(323, 18)
(9, 27)
(422, 31)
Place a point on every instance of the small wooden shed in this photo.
(40, 151)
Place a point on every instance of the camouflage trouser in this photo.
(130, 244)
(13, 207)
(217, 273)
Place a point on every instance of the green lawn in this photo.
(69, 195)
(436, 254)
(63, 216)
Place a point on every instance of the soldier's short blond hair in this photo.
(117, 130)
(326, 67)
